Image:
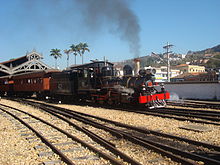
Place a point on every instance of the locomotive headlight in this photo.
(143, 89)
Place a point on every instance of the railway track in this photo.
(196, 116)
(97, 147)
(165, 144)
(196, 104)
(202, 114)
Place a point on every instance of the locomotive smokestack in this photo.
(136, 66)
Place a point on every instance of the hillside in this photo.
(210, 57)
(213, 50)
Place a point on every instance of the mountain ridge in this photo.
(214, 49)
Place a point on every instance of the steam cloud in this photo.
(175, 97)
(123, 89)
(117, 14)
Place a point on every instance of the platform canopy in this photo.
(28, 63)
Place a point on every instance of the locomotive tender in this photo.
(95, 82)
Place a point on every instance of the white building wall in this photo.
(200, 91)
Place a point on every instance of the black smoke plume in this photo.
(96, 14)
(115, 13)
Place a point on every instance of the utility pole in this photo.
(167, 47)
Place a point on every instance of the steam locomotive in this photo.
(97, 82)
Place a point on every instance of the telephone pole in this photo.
(167, 47)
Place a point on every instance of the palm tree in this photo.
(56, 54)
(67, 52)
(82, 47)
(74, 49)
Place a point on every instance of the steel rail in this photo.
(146, 131)
(153, 145)
(54, 149)
(127, 136)
(187, 111)
(157, 147)
(202, 102)
(106, 156)
(78, 115)
(104, 142)
(195, 105)
(164, 116)
(175, 117)
(190, 114)
(210, 112)
(193, 156)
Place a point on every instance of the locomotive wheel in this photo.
(2, 93)
(110, 102)
(94, 99)
(101, 102)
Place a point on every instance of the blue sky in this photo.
(45, 24)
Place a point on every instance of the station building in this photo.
(28, 63)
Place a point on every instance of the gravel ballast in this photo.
(165, 125)
(15, 143)
(14, 148)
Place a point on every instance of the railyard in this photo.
(120, 82)
(26, 150)
(66, 117)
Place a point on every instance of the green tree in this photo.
(56, 54)
(67, 52)
(74, 50)
(81, 48)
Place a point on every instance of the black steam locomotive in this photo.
(100, 82)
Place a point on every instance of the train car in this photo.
(6, 85)
(64, 84)
(80, 82)
(25, 85)
(91, 77)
